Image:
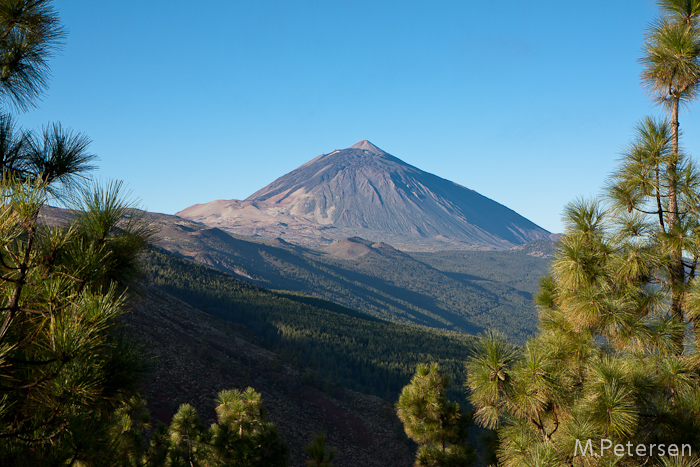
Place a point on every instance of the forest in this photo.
(337, 344)
(610, 376)
(467, 291)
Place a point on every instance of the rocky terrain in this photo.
(365, 192)
(195, 355)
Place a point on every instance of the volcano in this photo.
(363, 191)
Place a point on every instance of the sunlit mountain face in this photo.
(363, 191)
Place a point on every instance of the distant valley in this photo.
(468, 291)
(365, 230)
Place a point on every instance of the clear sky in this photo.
(527, 102)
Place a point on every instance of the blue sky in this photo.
(527, 102)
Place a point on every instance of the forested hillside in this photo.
(469, 291)
(521, 267)
(336, 345)
(194, 355)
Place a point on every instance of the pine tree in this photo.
(432, 421)
(318, 456)
(615, 356)
(242, 436)
(672, 75)
(64, 370)
(30, 33)
(188, 439)
(67, 377)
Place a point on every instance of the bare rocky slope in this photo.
(363, 191)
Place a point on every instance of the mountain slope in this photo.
(521, 267)
(195, 355)
(451, 290)
(366, 192)
(337, 344)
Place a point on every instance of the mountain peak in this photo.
(363, 191)
(367, 146)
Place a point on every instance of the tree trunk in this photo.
(676, 270)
